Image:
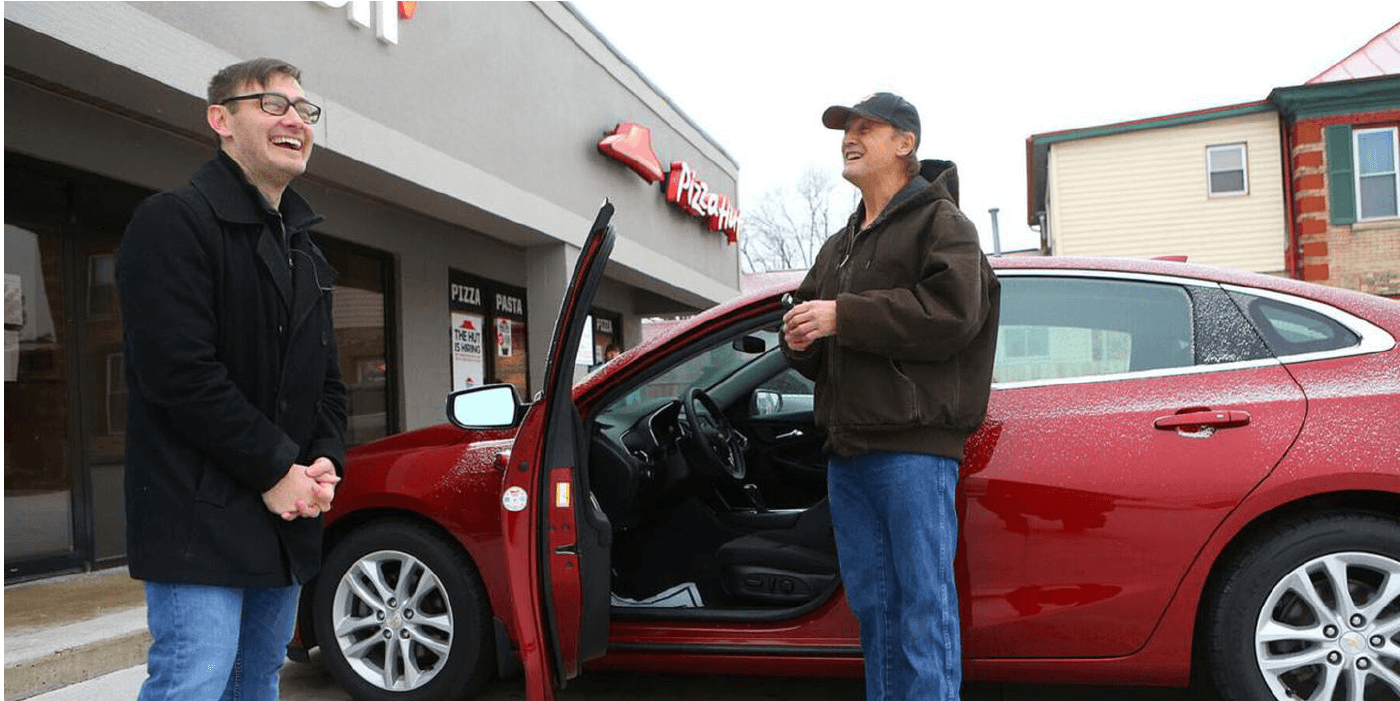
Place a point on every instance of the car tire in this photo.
(1279, 627)
(418, 588)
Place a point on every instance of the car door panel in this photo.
(785, 457)
(1134, 414)
(1067, 481)
(557, 540)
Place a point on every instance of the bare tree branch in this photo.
(784, 232)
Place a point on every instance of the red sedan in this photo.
(1186, 475)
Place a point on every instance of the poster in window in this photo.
(468, 360)
(513, 368)
(606, 343)
(584, 358)
(503, 337)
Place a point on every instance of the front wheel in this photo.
(1312, 612)
(401, 615)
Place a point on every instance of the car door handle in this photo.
(794, 433)
(1216, 419)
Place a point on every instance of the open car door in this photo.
(558, 541)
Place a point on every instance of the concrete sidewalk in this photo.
(63, 630)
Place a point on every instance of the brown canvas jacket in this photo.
(917, 303)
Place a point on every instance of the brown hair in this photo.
(257, 71)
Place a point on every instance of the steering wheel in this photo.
(719, 443)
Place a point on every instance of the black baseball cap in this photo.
(884, 106)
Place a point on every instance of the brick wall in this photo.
(1364, 256)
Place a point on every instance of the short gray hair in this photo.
(911, 159)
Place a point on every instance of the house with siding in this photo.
(1301, 184)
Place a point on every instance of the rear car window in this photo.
(1289, 329)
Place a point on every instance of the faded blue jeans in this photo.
(896, 536)
(216, 642)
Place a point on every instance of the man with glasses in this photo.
(236, 419)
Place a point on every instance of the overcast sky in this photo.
(985, 75)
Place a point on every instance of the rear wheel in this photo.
(401, 616)
(1313, 613)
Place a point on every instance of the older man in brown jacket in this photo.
(899, 333)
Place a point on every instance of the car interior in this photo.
(711, 473)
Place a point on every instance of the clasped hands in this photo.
(305, 491)
(809, 321)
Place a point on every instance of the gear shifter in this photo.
(755, 498)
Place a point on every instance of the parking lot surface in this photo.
(302, 682)
(311, 682)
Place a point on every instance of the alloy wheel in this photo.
(1330, 630)
(392, 620)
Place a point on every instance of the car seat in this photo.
(787, 566)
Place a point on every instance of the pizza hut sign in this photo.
(630, 144)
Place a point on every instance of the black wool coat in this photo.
(232, 377)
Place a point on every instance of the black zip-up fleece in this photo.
(910, 366)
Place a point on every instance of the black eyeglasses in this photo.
(276, 104)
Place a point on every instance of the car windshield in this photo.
(704, 369)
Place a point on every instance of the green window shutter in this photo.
(1340, 183)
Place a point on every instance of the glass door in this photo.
(65, 390)
(102, 212)
(38, 481)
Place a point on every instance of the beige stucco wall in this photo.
(1144, 193)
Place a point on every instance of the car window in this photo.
(703, 369)
(787, 392)
(789, 381)
(1289, 329)
(1063, 327)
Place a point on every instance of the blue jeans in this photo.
(216, 642)
(896, 536)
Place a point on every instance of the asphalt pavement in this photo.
(63, 630)
(310, 682)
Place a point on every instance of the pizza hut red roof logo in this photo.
(468, 325)
(630, 144)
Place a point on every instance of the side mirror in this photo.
(766, 401)
(487, 406)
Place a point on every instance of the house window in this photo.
(1377, 187)
(1025, 341)
(1226, 170)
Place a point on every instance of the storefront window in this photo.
(509, 358)
(359, 308)
(38, 490)
(65, 384)
(607, 336)
(486, 330)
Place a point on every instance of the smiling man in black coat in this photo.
(236, 425)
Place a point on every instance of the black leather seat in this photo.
(787, 566)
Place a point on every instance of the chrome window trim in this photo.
(1105, 274)
(1139, 374)
(1373, 338)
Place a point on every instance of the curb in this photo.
(46, 659)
